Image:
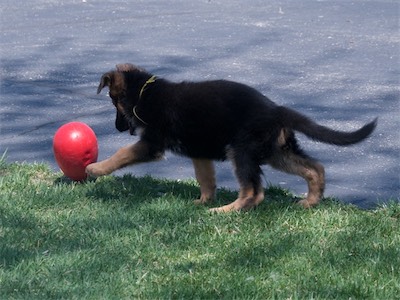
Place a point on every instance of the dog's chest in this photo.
(177, 146)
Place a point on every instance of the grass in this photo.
(142, 238)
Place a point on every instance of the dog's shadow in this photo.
(133, 191)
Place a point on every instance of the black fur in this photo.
(205, 119)
(217, 120)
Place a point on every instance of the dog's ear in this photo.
(127, 67)
(105, 81)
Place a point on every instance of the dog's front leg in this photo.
(136, 153)
(205, 175)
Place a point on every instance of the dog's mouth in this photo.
(132, 128)
(122, 124)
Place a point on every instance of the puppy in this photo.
(215, 120)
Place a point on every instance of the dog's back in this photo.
(212, 113)
(204, 118)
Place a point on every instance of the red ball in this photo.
(75, 147)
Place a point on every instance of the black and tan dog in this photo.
(215, 120)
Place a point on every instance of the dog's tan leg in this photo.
(315, 177)
(205, 175)
(125, 156)
(248, 174)
(249, 198)
(312, 171)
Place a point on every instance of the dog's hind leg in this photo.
(249, 197)
(251, 191)
(205, 175)
(314, 174)
(311, 170)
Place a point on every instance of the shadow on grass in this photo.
(130, 190)
(113, 223)
(41, 226)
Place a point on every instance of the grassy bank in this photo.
(126, 237)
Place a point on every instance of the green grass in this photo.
(142, 238)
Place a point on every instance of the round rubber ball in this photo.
(75, 147)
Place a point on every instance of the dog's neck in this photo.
(149, 81)
(137, 116)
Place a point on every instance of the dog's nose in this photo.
(121, 125)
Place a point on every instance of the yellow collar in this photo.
(136, 115)
(151, 80)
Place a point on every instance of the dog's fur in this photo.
(215, 120)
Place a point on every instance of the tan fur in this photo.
(282, 137)
(125, 156)
(248, 198)
(127, 67)
(311, 170)
(205, 175)
(118, 84)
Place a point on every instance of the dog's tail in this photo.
(301, 123)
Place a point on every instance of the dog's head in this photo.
(122, 94)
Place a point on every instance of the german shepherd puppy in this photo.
(215, 120)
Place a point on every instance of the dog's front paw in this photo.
(308, 203)
(96, 170)
(203, 200)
